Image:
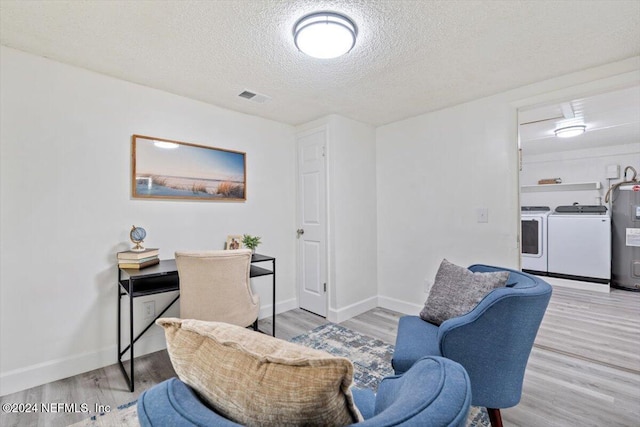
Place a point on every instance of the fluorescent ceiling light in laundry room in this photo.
(570, 131)
(325, 35)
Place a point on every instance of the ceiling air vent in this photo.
(255, 97)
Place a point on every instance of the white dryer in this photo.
(580, 243)
(533, 235)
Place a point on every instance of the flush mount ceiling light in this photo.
(325, 35)
(570, 131)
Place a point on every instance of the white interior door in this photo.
(312, 246)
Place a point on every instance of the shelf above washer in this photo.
(569, 186)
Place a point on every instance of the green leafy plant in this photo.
(250, 241)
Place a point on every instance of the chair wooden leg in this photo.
(495, 417)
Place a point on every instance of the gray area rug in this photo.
(371, 359)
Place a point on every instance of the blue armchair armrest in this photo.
(173, 403)
(434, 392)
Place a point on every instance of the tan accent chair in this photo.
(215, 286)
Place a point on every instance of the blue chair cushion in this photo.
(365, 401)
(173, 403)
(416, 339)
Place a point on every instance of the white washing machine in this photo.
(533, 235)
(580, 243)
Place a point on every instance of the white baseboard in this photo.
(399, 306)
(281, 307)
(346, 313)
(53, 370)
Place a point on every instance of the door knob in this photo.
(300, 232)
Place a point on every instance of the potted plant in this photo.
(251, 242)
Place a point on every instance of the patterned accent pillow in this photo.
(457, 290)
(257, 380)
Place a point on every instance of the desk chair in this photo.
(214, 286)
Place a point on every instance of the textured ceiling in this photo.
(411, 57)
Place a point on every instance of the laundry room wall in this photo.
(576, 166)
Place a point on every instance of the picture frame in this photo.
(234, 241)
(167, 169)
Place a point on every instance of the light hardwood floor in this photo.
(584, 369)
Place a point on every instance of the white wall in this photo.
(352, 213)
(435, 170)
(66, 208)
(587, 165)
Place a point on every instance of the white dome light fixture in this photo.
(325, 35)
(570, 131)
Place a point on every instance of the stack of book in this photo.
(138, 260)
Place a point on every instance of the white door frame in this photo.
(623, 78)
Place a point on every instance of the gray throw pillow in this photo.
(457, 290)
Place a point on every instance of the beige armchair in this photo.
(214, 286)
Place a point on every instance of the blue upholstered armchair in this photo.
(493, 341)
(434, 392)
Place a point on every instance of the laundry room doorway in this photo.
(572, 150)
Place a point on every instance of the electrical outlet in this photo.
(482, 214)
(149, 309)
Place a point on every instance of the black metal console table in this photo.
(162, 278)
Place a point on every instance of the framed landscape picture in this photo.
(166, 169)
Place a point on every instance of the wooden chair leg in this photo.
(495, 417)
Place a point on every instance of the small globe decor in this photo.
(137, 235)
